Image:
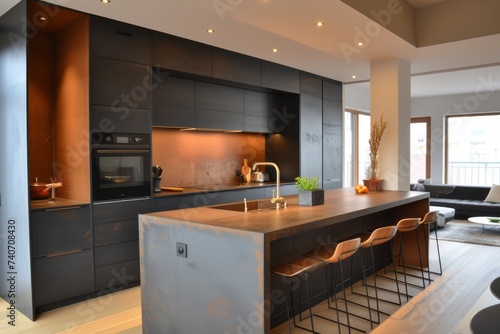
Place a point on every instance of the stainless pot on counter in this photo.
(39, 190)
(259, 177)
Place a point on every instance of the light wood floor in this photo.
(445, 306)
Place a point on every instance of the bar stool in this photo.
(380, 236)
(429, 219)
(407, 225)
(335, 255)
(301, 268)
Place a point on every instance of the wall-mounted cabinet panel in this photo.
(332, 112)
(236, 67)
(61, 277)
(258, 111)
(120, 119)
(280, 77)
(120, 84)
(119, 40)
(219, 107)
(181, 55)
(332, 90)
(332, 156)
(59, 231)
(311, 141)
(311, 86)
(173, 102)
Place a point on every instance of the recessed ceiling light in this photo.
(275, 50)
(360, 44)
(319, 24)
(354, 77)
(210, 31)
(42, 18)
(105, 1)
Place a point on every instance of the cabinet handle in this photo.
(124, 33)
(66, 208)
(65, 253)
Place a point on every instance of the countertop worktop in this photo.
(340, 205)
(58, 203)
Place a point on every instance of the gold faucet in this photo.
(278, 199)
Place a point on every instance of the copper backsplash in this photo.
(198, 158)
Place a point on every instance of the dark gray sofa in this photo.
(468, 201)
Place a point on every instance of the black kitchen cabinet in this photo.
(219, 107)
(119, 119)
(182, 55)
(332, 90)
(173, 102)
(332, 156)
(311, 86)
(60, 230)
(61, 253)
(236, 67)
(60, 277)
(280, 77)
(311, 138)
(259, 110)
(332, 134)
(120, 84)
(121, 41)
(332, 112)
(116, 243)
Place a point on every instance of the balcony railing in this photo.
(474, 173)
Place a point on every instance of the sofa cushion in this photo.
(439, 190)
(494, 194)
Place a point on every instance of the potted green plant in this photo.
(309, 194)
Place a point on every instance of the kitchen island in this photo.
(207, 269)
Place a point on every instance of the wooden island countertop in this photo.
(222, 282)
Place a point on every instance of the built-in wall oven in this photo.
(121, 166)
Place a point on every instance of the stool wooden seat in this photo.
(334, 255)
(430, 218)
(407, 225)
(299, 268)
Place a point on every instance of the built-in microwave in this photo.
(121, 166)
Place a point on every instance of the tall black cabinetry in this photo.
(321, 130)
(332, 134)
(120, 77)
(121, 84)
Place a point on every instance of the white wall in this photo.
(357, 96)
(439, 106)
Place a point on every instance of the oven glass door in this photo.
(120, 174)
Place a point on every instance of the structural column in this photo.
(390, 94)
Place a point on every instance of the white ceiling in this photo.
(256, 27)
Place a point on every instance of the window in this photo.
(356, 152)
(420, 162)
(472, 149)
